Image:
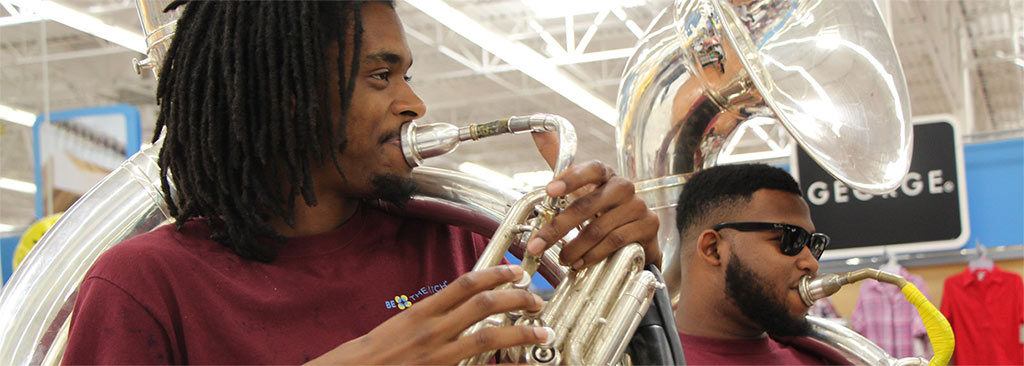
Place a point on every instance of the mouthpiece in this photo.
(420, 142)
(815, 288)
(427, 141)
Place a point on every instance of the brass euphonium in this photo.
(594, 312)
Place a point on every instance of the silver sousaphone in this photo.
(827, 70)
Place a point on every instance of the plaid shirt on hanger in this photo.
(884, 316)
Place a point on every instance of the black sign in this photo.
(925, 209)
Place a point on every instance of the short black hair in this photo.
(710, 192)
(243, 95)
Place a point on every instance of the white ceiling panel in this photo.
(961, 57)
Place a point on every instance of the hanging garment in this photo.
(986, 309)
(823, 308)
(884, 316)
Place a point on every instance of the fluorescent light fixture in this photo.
(17, 116)
(18, 185)
(5, 227)
(18, 19)
(84, 22)
(518, 55)
(546, 9)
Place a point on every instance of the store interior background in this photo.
(962, 58)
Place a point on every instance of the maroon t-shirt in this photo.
(178, 297)
(760, 351)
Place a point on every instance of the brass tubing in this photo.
(545, 214)
(939, 330)
(630, 308)
(622, 265)
(559, 299)
(813, 289)
(579, 297)
(506, 232)
(497, 320)
(492, 255)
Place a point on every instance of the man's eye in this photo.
(407, 78)
(382, 75)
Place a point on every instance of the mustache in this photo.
(388, 136)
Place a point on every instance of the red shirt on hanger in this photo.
(986, 309)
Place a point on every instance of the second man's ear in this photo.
(708, 247)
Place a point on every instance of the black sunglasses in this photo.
(794, 238)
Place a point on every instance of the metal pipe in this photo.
(814, 288)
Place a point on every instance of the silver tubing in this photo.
(39, 297)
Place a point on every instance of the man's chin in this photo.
(795, 326)
(393, 188)
(775, 314)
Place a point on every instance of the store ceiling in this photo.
(941, 44)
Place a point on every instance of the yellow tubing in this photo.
(939, 331)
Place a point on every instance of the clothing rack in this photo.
(909, 260)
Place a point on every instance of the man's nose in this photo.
(409, 104)
(806, 262)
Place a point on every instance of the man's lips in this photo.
(391, 138)
(796, 289)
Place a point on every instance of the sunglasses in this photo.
(794, 238)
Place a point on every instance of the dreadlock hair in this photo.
(711, 191)
(242, 92)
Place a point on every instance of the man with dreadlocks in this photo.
(280, 119)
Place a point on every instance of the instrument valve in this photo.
(545, 213)
(519, 229)
(524, 282)
(543, 354)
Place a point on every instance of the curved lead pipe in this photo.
(815, 288)
(939, 331)
(420, 142)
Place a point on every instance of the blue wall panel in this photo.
(995, 192)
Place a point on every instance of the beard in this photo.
(756, 301)
(393, 188)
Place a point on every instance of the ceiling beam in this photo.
(940, 56)
(519, 56)
(71, 55)
(83, 22)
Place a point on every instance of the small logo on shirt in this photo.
(402, 302)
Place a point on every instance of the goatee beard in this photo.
(755, 301)
(393, 188)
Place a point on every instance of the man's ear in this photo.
(708, 246)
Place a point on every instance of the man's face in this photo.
(761, 281)
(382, 101)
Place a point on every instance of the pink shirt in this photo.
(884, 316)
(169, 297)
(761, 351)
